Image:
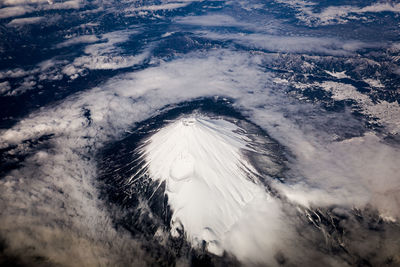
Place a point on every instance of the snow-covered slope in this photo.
(211, 186)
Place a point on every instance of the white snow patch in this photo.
(339, 75)
(387, 114)
(280, 81)
(382, 112)
(167, 34)
(374, 83)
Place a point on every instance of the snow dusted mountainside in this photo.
(211, 186)
(199, 133)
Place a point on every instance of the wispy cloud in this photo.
(83, 39)
(167, 6)
(4, 87)
(13, 11)
(213, 20)
(290, 44)
(337, 14)
(25, 21)
(21, 7)
(103, 55)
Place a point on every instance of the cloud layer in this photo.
(323, 174)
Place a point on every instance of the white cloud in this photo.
(78, 40)
(14, 11)
(354, 172)
(4, 87)
(106, 62)
(167, 6)
(14, 73)
(213, 20)
(330, 14)
(22, 7)
(71, 4)
(291, 44)
(337, 14)
(22, 2)
(104, 55)
(29, 83)
(24, 21)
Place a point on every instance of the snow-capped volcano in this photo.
(210, 184)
